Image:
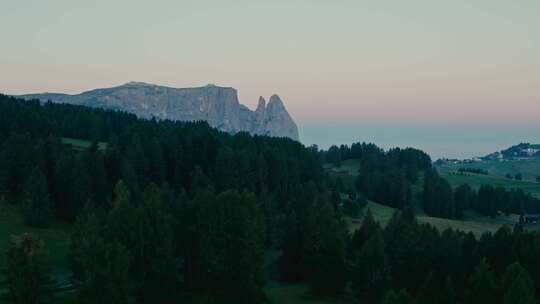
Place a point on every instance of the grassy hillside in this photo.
(56, 237)
(348, 170)
(529, 168)
(80, 145)
(472, 223)
(476, 180)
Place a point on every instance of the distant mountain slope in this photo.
(219, 106)
(523, 150)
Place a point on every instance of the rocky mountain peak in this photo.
(278, 120)
(261, 106)
(219, 106)
(275, 103)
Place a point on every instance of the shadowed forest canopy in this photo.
(168, 212)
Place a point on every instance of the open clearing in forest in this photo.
(528, 167)
(472, 222)
(477, 180)
(56, 239)
(81, 144)
(348, 170)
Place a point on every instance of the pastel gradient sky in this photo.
(347, 69)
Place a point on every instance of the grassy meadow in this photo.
(81, 145)
(56, 239)
(348, 170)
(472, 222)
(529, 168)
(477, 180)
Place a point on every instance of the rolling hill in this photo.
(495, 176)
(477, 224)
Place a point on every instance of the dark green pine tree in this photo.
(371, 275)
(429, 291)
(401, 297)
(463, 197)
(292, 260)
(106, 273)
(327, 252)
(518, 286)
(229, 247)
(449, 293)
(20, 159)
(367, 229)
(156, 162)
(437, 197)
(27, 272)
(97, 174)
(200, 181)
(483, 286)
(4, 174)
(72, 184)
(37, 201)
(153, 259)
(435, 290)
(99, 266)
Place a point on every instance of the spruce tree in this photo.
(518, 286)
(27, 273)
(153, 260)
(371, 276)
(401, 297)
(100, 266)
(483, 286)
(326, 239)
(106, 274)
(448, 295)
(227, 256)
(367, 229)
(37, 201)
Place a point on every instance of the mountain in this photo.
(219, 106)
(522, 150)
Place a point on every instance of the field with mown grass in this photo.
(477, 180)
(348, 170)
(528, 167)
(81, 145)
(56, 239)
(472, 223)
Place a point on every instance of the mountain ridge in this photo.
(217, 105)
(522, 150)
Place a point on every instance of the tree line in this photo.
(384, 176)
(473, 170)
(440, 200)
(49, 178)
(136, 254)
(176, 211)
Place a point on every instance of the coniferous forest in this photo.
(178, 212)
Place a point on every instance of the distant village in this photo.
(521, 151)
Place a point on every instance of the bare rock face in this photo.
(219, 106)
(277, 121)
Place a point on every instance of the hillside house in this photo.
(529, 218)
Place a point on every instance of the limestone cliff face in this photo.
(219, 106)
